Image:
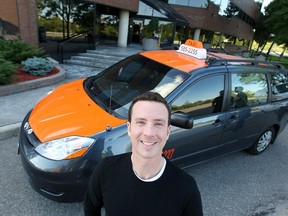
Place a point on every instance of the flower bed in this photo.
(22, 76)
(28, 82)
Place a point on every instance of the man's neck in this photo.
(146, 168)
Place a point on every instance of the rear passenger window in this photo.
(248, 89)
(199, 99)
(279, 86)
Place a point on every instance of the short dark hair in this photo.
(150, 96)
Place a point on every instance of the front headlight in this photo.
(65, 148)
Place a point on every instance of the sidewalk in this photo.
(14, 107)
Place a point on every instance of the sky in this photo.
(265, 3)
(224, 3)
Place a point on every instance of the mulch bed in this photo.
(22, 76)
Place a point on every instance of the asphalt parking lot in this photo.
(241, 184)
(234, 185)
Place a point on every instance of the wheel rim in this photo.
(264, 141)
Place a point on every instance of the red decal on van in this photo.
(168, 153)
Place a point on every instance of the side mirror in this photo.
(182, 120)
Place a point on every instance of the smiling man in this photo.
(143, 182)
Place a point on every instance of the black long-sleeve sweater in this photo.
(115, 187)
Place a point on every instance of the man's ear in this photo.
(128, 127)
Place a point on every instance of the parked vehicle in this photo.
(220, 104)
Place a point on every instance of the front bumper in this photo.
(61, 181)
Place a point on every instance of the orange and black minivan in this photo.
(220, 104)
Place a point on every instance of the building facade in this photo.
(177, 19)
(18, 20)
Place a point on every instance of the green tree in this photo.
(53, 24)
(84, 16)
(166, 31)
(231, 10)
(151, 28)
(65, 9)
(276, 19)
(262, 33)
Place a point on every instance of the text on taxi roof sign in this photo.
(193, 48)
(194, 43)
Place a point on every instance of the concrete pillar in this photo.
(197, 34)
(123, 29)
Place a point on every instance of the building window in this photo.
(146, 10)
(191, 3)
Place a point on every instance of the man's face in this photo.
(148, 129)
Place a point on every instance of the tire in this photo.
(263, 142)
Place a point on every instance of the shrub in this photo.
(37, 66)
(7, 71)
(151, 28)
(17, 51)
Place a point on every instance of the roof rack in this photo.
(217, 50)
(217, 62)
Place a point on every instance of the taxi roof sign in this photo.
(193, 48)
(194, 43)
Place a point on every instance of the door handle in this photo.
(233, 118)
(218, 123)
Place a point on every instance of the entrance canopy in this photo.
(165, 9)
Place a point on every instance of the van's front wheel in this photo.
(263, 142)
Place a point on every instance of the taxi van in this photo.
(220, 104)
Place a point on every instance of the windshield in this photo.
(118, 85)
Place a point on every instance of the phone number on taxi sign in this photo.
(192, 51)
(188, 49)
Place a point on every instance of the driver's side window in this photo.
(203, 97)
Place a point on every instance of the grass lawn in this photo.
(283, 60)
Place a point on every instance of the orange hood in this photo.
(69, 111)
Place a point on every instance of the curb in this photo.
(33, 84)
(7, 131)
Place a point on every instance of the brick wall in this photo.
(250, 8)
(9, 26)
(28, 24)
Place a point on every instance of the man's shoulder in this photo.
(179, 173)
(183, 182)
